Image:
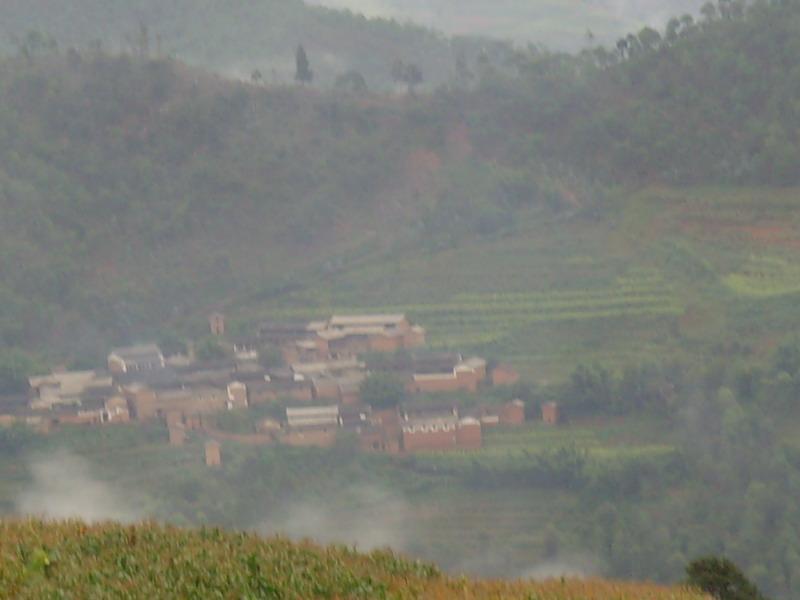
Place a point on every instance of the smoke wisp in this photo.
(63, 487)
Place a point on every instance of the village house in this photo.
(503, 375)
(213, 454)
(312, 416)
(509, 414)
(117, 410)
(237, 395)
(359, 334)
(466, 376)
(311, 426)
(149, 403)
(551, 415)
(67, 388)
(144, 357)
(438, 428)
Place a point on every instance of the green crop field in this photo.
(667, 273)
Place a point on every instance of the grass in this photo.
(72, 559)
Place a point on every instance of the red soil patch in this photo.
(422, 165)
(767, 233)
(459, 145)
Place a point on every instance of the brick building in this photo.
(466, 376)
(551, 414)
(503, 375)
(213, 454)
(144, 357)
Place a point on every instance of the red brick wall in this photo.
(413, 339)
(503, 375)
(464, 381)
(213, 455)
(302, 393)
(237, 395)
(469, 436)
(429, 440)
(550, 413)
(317, 438)
(382, 343)
(144, 404)
(512, 414)
(326, 390)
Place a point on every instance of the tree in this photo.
(709, 11)
(303, 73)
(210, 349)
(722, 579)
(256, 77)
(171, 343)
(622, 47)
(351, 81)
(673, 28)
(382, 390)
(409, 74)
(649, 38)
(15, 368)
(271, 357)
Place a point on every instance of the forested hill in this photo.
(147, 561)
(236, 36)
(138, 192)
(707, 100)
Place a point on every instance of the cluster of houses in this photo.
(320, 387)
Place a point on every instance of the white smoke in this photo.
(578, 567)
(372, 519)
(64, 487)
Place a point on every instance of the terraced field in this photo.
(765, 276)
(517, 448)
(471, 320)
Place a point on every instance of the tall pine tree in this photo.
(303, 74)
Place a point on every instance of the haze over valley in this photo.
(461, 281)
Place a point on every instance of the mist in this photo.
(522, 21)
(63, 487)
(370, 518)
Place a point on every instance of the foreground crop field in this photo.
(148, 561)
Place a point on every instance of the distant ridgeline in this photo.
(236, 37)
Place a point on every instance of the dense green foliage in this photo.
(137, 191)
(722, 579)
(712, 100)
(382, 390)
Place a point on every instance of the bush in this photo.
(722, 579)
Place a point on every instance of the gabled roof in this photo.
(141, 353)
(366, 320)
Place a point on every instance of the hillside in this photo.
(149, 561)
(140, 193)
(235, 37)
(700, 101)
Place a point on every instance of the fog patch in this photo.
(371, 518)
(64, 487)
(574, 567)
